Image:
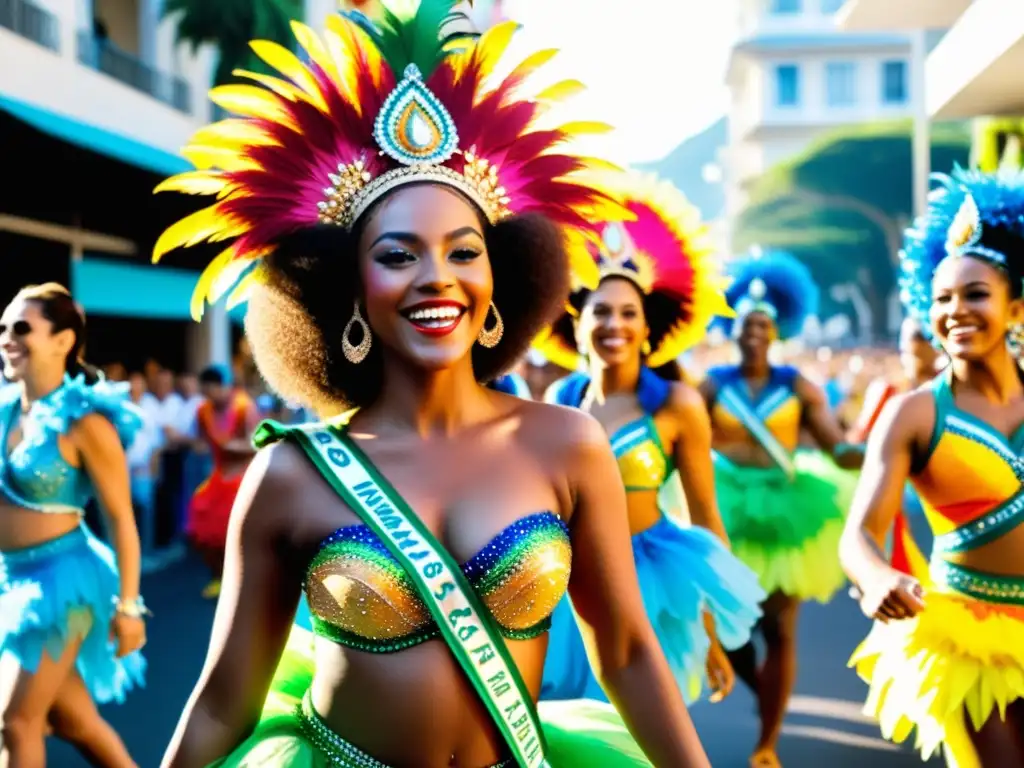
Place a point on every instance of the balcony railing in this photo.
(104, 56)
(31, 22)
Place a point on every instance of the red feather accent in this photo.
(900, 559)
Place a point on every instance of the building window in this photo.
(894, 82)
(831, 6)
(787, 85)
(784, 6)
(841, 83)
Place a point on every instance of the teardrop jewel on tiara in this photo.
(413, 126)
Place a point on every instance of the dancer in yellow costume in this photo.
(946, 655)
(411, 224)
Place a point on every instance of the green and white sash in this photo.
(466, 625)
(753, 423)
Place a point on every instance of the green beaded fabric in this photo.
(360, 597)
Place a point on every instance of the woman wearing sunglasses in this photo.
(63, 597)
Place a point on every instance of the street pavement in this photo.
(823, 728)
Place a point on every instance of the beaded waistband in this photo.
(987, 528)
(989, 587)
(338, 752)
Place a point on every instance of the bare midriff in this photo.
(414, 707)
(21, 528)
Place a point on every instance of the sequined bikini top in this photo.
(643, 462)
(361, 598)
(34, 474)
(776, 405)
(971, 480)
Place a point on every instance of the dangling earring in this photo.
(645, 348)
(490, 338)
(1015, 336)
(356, 353)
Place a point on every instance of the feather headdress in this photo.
(774, 282)
(970, 213)
(665, 249)
(377, 105)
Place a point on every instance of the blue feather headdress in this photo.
(970, 213)
(776, 283)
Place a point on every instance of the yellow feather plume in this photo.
(289, 65)
(224, 158)
(348, 44)
(561, 91)
(282, 88)
(250, 101)
(316, 49)
(201, 293)
(533, 62)
(207, 224)
(194, 183)
(234, 134)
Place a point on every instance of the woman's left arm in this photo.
(621, 644)
(692, 456)
(104, 460)
(824, 427)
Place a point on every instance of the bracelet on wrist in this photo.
(134, 609)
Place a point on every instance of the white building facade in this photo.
(794, 76)
(975, 70)
(107, 76)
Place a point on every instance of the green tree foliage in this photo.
(842, 204)
(230, 25)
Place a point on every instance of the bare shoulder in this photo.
(909, 416)
(566, 430)
(280, 486)
(684, 399)
(808, 390)
(93, 426)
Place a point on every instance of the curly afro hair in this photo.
(298, 313)
(660, 312)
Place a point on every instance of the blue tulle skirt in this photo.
(64, 589)
(682, 572)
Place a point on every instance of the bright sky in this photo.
(654, 69)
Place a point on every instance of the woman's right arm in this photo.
(885, 593)
(259, 595)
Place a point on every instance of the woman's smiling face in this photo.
(972, 307)
(612, 324)
(427, 282)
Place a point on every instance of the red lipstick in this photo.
(437, 317)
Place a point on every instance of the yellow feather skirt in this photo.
(959, 659)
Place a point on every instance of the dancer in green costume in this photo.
(411, 226)
(783, 508)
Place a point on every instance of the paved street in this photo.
(824, 728)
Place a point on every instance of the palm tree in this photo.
(230, 25)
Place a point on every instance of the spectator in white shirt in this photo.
(188, 388)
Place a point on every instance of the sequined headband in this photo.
(619, 257)
(414, 129)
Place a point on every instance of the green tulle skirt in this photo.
(787, 531)
(579, 734)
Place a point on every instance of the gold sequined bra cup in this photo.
(361, 598)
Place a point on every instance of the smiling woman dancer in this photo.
(62, 435)
(946, 655)
(435, 255)
(656, 287)
(783, 508)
